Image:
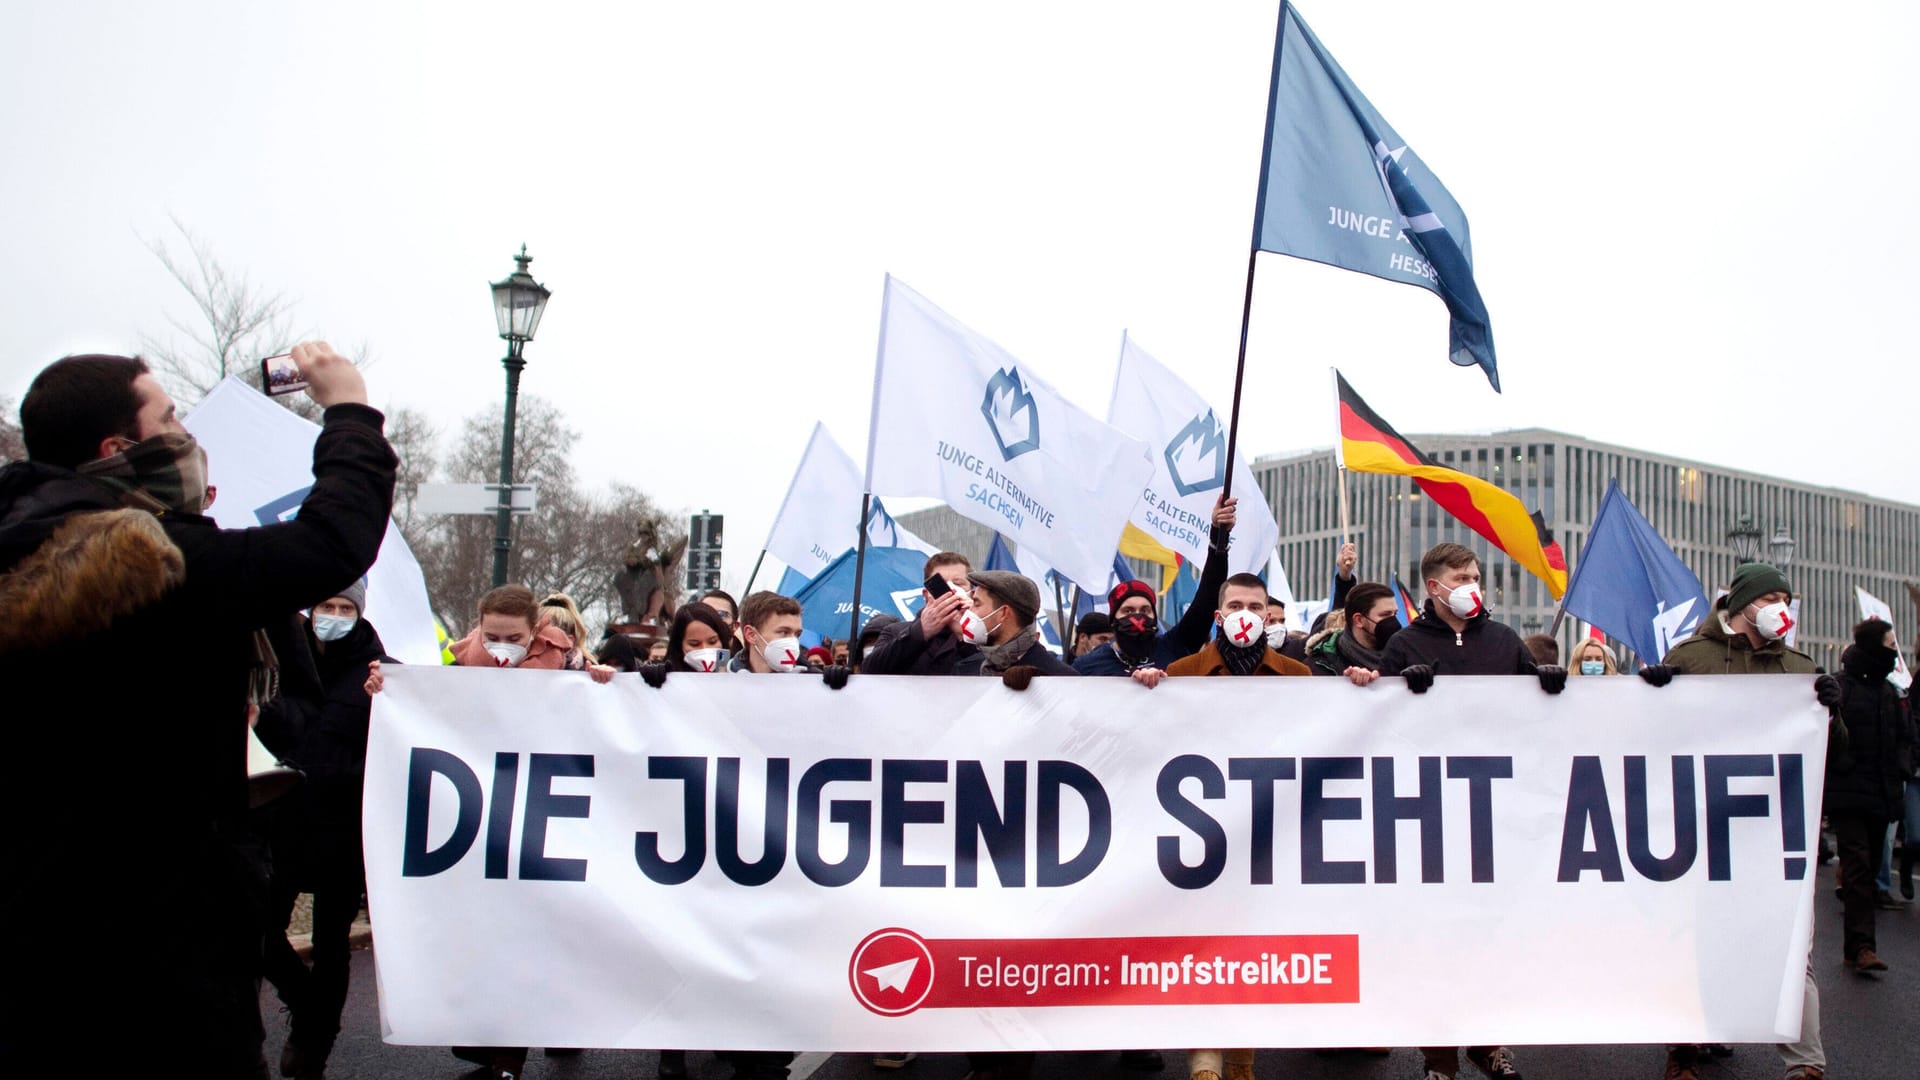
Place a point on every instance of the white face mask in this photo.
(1242, 628)
(782, 654)
(706, 659)
(1465, 601)
(1276, 635)
(973, 628)
(1772, 621)
(505, 653)
(333, 627)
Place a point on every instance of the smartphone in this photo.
(279, 376)
(936, 586)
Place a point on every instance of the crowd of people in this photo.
(107, 556)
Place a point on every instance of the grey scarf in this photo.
(995, 659)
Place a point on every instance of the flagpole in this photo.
(1060, 613)
(755, 572)
(873, 431)
(1345, 530)
(1239, 376)
(1253, 252)
(860, 565)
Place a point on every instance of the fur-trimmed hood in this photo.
(92, 569)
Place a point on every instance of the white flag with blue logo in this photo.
(959, 419)
(1188, 442)
(815, 523)
(260, 456)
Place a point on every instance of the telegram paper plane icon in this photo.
(893, 976)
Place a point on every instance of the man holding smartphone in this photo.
(942, 636)
(139, 618)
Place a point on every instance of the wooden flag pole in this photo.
(1346, 530)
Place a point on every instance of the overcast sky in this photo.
(1692, 223)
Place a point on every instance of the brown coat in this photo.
(1208, 661)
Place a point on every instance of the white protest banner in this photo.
(815, 523)
(260, 457)
(959, 419)
(1189, 447)
(939, 864)
(1872, 607)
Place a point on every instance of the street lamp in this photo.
(518, 302)
(1781, 548)
(1744, 539)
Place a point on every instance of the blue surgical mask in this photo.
(333, 627)
(1593, 667)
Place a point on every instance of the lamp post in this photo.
(518, 301)
(1744, 539)
(1781, 548)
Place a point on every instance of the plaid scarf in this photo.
(165, 473)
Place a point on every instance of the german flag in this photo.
(1369, 444)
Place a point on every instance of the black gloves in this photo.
(1019, 676)
(654, 674)
(1553, 678)
(1658, 674)
(1826, 689)
(835, 676)
(1419, 678)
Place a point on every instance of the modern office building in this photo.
(1830, 541)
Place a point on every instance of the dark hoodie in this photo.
(1485, 647)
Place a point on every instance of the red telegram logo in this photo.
(891, 972)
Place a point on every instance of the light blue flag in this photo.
(1629, 583)
(1338, 185)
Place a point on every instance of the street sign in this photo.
(472, 499)
(703, 552)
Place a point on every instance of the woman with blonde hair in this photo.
(1587, 653)
(559, 609)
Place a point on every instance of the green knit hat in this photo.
(1753, 580)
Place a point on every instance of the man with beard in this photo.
(1372, 619)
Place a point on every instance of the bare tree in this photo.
(239, 322)
(415, 441)
(574, 543)
(13, 445)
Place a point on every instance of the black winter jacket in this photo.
(903, 649)
(1867, 779)
(128, 642)
(1485, 647)
(317, 837)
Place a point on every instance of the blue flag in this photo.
(1629, 583)
(1338, 185)
(999, 557)
(890, 576)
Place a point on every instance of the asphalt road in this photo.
(1871, 1027)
